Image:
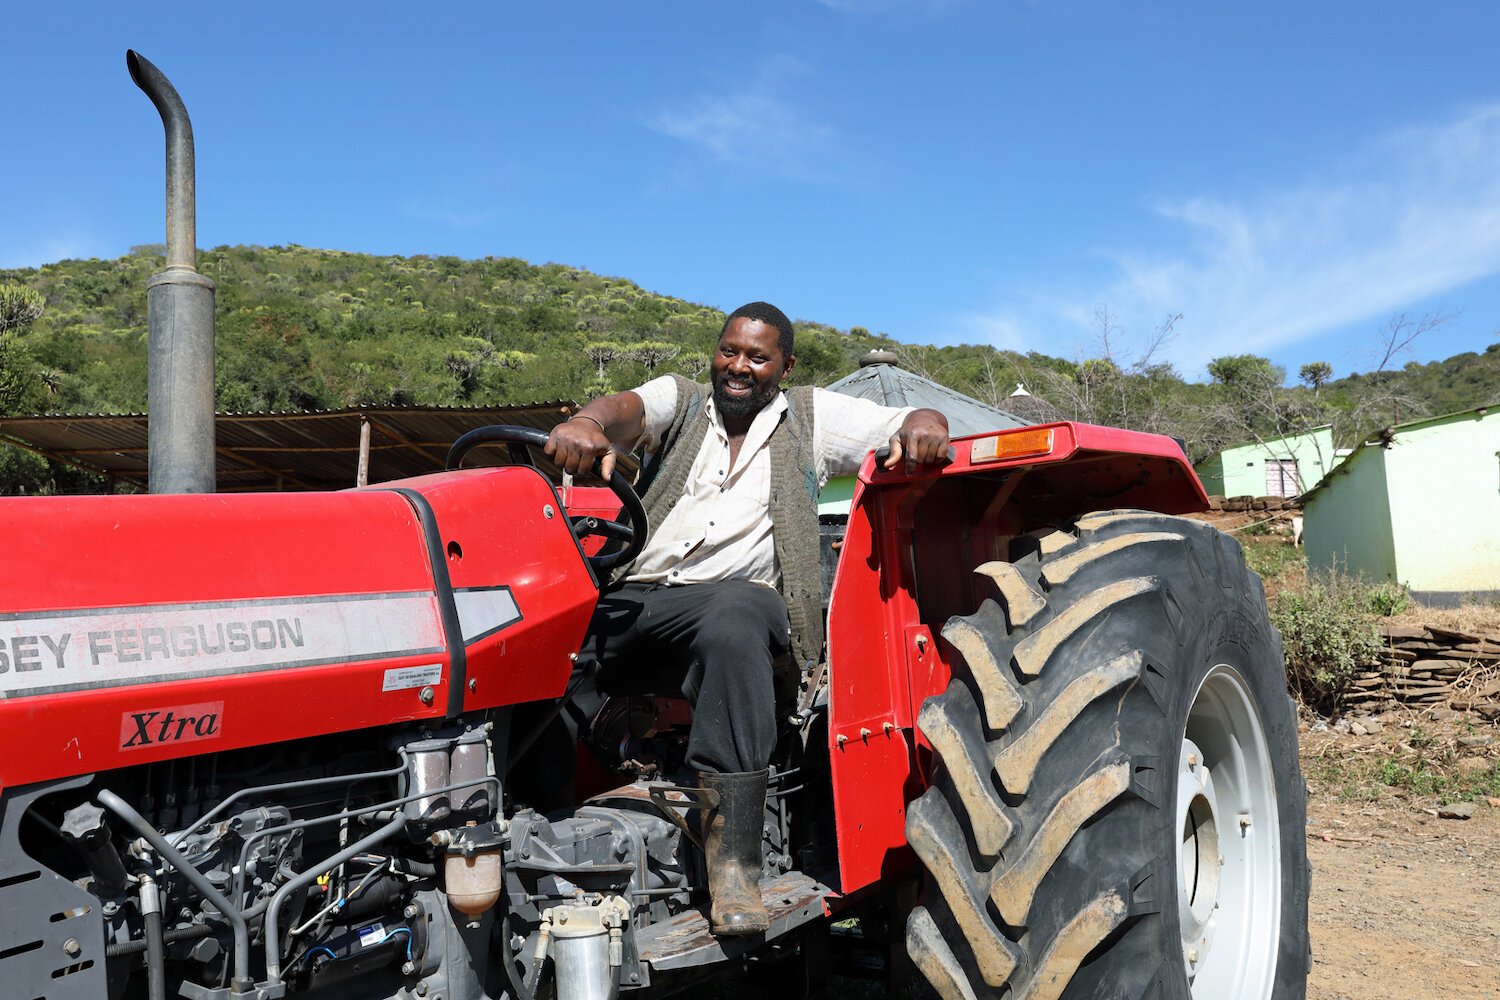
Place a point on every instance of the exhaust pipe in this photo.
(179, 316)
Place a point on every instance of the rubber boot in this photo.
(731, 846)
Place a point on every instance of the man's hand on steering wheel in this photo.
(629, 528)
(577, 443)
(586, 436)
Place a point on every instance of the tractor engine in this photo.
(375, 864)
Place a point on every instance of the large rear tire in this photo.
(1117, 808)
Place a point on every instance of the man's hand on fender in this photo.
(922, 440)
(575, 444)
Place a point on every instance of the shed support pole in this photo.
(362, 477)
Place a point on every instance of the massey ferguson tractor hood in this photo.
(148, 627)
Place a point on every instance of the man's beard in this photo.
(760, 395)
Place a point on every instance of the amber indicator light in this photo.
(1018, 444)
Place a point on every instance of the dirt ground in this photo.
(1405, 903)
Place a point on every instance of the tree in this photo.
(19, 308)
(1245, 375)
(693, 364)
(921, 359)
(466, 363)
(1098, 380)
(1399, 333)
(994, 379)
(602, 354)
(513, 360)
(1139, 393)
(1254, 404)
(653, 353)
(264, 365)
(1315, 374)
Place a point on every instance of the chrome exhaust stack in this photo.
(179, 315)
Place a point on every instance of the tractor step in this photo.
(685, 942)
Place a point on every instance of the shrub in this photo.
(1387, 599)
(1328, 633)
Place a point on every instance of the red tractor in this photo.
(261, 745)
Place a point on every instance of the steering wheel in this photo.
(631, 529)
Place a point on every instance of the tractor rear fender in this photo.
(906, 566)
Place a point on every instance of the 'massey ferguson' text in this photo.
(149, 643)
(61, 651)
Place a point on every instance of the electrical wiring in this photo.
(316, 917)
(342, 901)
(336, 958)
(392, 933)
(294, 962)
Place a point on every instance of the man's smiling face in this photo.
(748, 367)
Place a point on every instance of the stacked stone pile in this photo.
(1425, 665)
(1252, 504)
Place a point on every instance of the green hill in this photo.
(300, 328)
(303, 329)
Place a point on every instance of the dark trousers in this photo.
(711, 643)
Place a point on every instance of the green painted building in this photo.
(1419, 506)
(1276, 467)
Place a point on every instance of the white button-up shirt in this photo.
(721, 528)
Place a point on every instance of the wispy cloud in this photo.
(760, 128)
(50, 251)
(886, 6)
(449, 214)
(1412, 215)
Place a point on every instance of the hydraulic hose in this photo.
(241, 983)
(156, 952)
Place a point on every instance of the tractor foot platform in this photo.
(685, 942)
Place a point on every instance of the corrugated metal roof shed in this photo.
(285, 451)
(893, 386)
(319, 450)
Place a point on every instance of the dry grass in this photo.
(1471, 617)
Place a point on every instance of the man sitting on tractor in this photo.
(730, 491)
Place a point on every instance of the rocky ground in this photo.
(1403, 836)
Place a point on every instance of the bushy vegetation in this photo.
(1328, 631)
(1388, 599)
(307, 329)
(300, 328)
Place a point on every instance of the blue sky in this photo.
(1287, 177)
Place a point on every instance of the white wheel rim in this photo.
(1229, 845)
